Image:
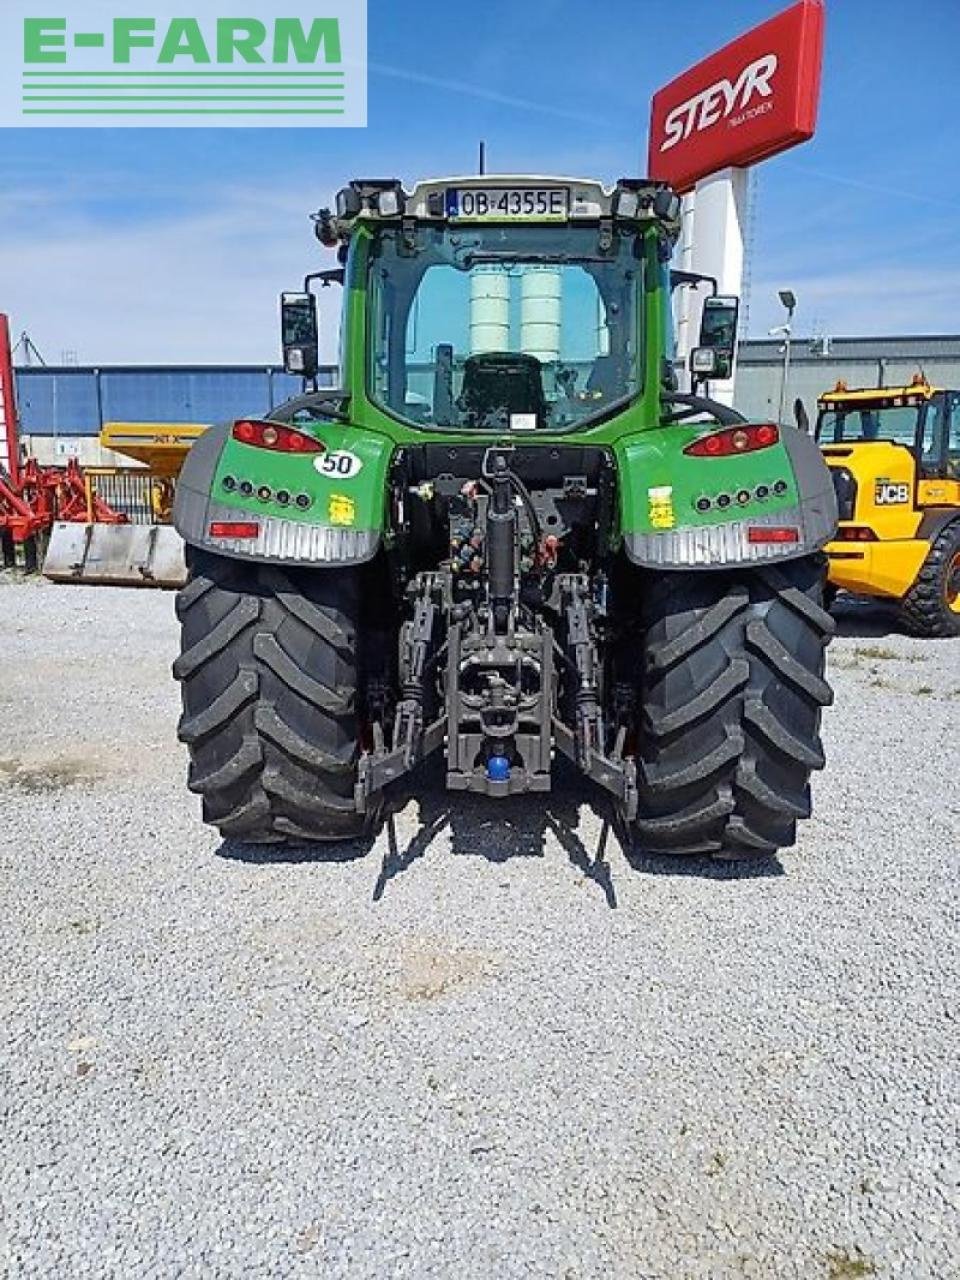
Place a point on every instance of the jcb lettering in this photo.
(890, 495)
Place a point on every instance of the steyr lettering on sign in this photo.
(720, 101)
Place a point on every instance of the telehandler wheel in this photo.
(932, 605)
(732, 691)
(269, 682)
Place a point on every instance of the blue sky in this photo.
(170, 245)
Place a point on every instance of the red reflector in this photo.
(271, 435)
(234, 529)
(856, 533)
(773, 533)
(767, 435)
(735, 440)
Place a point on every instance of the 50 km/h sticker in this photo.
(340, 465)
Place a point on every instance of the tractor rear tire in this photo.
(931, 608)
(732, 693)
(269, 681)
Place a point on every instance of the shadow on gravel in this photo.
(864, 619)
(499, 831)
(268, 855)
(705, 868)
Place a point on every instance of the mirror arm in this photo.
(332, 275)
(694, 279)
(693, 404)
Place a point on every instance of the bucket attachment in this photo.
(122, 555)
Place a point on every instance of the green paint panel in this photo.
(352, 498)
(660, 485)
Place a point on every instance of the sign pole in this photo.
(686, 337)
(9, 439)
(718, 238)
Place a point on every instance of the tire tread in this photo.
(269, 677)
(732, 693)
(923, 610)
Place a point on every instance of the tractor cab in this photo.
(493, 304)
(905, 439)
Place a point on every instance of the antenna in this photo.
(749, 245)
(30, 351)
(482, 158)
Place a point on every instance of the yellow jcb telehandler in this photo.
(894, 453)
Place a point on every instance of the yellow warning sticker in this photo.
(342, 510)
(661, 513)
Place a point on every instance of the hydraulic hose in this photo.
(501, 545)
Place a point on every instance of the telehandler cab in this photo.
(894, 454)
(506, 536)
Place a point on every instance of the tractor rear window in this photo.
(852, 425)
(504, 328)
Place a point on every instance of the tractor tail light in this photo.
(234, 529)
(855, 533)
(734, 440)
(271, 435)
(773, 533)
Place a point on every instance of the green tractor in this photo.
(506, 536)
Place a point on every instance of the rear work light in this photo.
(855, 533)
(734, 440)
(773, 533)
(271, 435)
(234, 529)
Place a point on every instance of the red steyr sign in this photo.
(753, 98)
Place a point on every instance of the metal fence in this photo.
(78, 401)
(138, 494)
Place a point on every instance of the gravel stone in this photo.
(474, 1047)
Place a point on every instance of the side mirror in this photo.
(800, 416)
(299, 334)
(718, 332)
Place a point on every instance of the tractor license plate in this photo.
(496, 204)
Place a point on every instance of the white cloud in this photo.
(195, 287)
(199, 284)
(486, 95)
(875, 299)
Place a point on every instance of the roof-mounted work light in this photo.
(381, 197)
(627, 204)
(349, 203)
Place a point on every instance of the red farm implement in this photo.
(32, 497)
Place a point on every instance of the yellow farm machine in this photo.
(894, 454)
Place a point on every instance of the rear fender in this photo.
(683, 512)
(339, 518)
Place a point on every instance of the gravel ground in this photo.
(481, 1052)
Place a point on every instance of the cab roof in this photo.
(633, 200)
(879, 397)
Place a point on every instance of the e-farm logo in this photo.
(199, 63)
